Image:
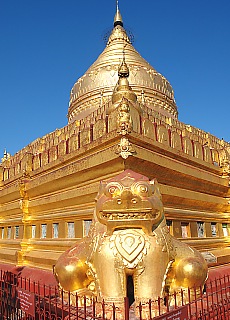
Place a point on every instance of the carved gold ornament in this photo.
(129, 246)
(124, 148)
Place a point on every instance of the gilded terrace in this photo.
(155, 127)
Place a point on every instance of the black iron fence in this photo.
(20, 298)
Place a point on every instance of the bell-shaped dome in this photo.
(100, 79)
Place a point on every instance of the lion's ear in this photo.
(155, 188)
(101, 189)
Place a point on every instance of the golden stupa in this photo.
(122, 115)
(100, 79)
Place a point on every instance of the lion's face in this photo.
(129, 200)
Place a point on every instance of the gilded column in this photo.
(1, 176)
(24, 206)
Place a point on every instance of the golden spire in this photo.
(118, 18)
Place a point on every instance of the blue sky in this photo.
(47, 45)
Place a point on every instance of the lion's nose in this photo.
(126, 194)
(127, 197)
(133, 200)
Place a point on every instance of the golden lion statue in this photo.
(129, 242)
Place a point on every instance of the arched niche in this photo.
(198, 150)
(176, 140)
(223, 156)
(187, 146)
(148, 129)
(215, 157)
(207, 154)
(99, 129)
(162, 134)
(73, 142)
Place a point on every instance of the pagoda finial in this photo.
(122, 88)
(118, 18)
(6, 155)
(123, 70)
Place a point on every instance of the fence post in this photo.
(228, 285)
(222, 302)
(114, 312)
(38, 302)
(207, 298)
(182, 296)
(85, 308)
(140, 310)
(166, 299)
(195, 300)
(94, 309)
(56, 295)
(150, 309)
(159, 306)
(202, 303)
(62, 303)
(226, 295)
(103, 310)
(76, 299)
(175, 300)
(189, 303)
(218, 309)
(69, 304)
(126, 305)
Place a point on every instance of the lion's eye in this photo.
(141, 189)
(113, 190)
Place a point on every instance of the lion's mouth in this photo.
(127, 215)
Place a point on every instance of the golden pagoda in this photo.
(122, 115)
